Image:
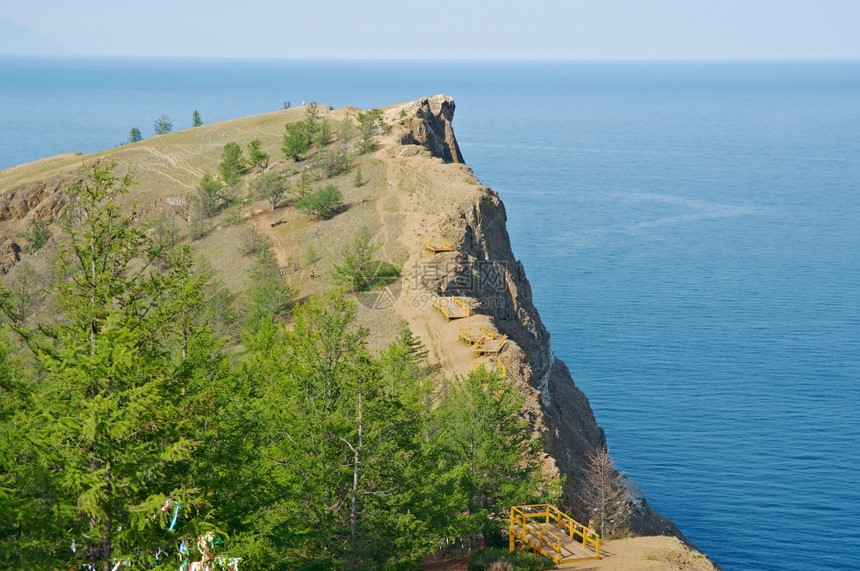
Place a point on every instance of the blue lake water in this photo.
(691, 232)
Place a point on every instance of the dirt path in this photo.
(410, 213)
(654, 553)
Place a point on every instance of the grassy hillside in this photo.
(168, 169)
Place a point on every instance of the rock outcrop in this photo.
(21, 205)
(430, 126)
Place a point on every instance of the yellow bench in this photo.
(444, 246)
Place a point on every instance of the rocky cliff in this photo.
(482, 269)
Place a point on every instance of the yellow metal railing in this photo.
(525, 527)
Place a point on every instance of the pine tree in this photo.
(162, 125)
(344, 429)
(26, 507)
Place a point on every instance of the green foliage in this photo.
(162, 125)
(323, 202)
(270, 297)
(26, 291)
(198, 225)
(322, 134)
(37, 236)
(271, 187)
(358, 179)
(483, 559)
(369, 122)
(107, 456)
(233, 164)
(358, 270)
(486, 452)
(257, 157)
(313, 124)
(305, 450)
(350, 429)
(196, 121)
(296, 141)
(212, 196)
(345, 131)
(336, 161)
(134, 135)
(306, 181)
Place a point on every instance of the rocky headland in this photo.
(419, 191)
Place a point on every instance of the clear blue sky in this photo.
(448, 29)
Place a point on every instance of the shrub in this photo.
(38, 235)
(336, 162)
(485, 559)
(323, 202)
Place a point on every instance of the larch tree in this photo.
(296, 141)
(487, 455)
(162, 125)
(233, 164)
(341, 432)
(605, 496)
(256, 156)
(113, 422)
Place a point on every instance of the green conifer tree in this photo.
(486, 453)
(114, 420)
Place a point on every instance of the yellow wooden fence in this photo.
(553, 533)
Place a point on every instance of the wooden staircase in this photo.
(552, 533)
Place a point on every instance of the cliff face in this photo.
(484, 271)
(25, 203)
(430, 126)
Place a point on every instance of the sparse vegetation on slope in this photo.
(317, 452)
